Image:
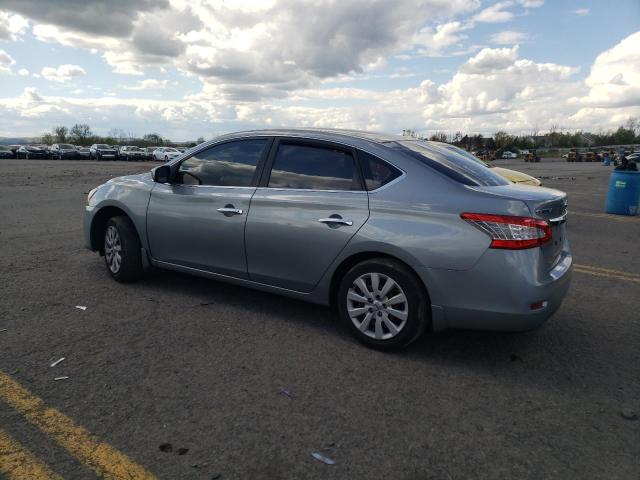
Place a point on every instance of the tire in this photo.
(410, 318)
(122, 250)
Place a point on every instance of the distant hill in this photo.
(18, 140)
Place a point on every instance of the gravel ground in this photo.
(251, 383)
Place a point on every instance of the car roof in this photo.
(324, 133)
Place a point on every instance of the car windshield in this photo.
(66, 146)
(102, 145)
(134, 149)
(452, 164)
(171, 150)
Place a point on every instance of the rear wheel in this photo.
(383, 304)
(122, 250)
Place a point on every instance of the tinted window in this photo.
(313, 168)
(231, 164)
(101, 145)
(376, 172)
(450, 163)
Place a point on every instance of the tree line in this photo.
(555, 137)
(81, 134)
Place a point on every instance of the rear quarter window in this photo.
(376, 172)
(453, 165)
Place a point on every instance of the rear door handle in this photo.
(336, 220)
(229, 210)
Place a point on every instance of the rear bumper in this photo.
(498, 292)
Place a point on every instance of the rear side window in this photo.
(231, 164)
(313, 168)
(376, 172)
(453, 165)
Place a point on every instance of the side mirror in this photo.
(161, 174)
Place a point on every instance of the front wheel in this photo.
(383, 304)
(122, 250)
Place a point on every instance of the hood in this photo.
(516, 177)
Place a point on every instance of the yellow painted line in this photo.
(607, 275)
(618, 218)
(107, 462)
(18, 463)
(608, 270)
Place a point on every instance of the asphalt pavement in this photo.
(178, 377)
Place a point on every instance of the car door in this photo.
(198, 219)
(310, 204)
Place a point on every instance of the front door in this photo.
(304, 215)
(199, 219)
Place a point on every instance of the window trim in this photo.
(175, 167)
(266, 173)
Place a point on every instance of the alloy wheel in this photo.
(113, 249)
(377, 306)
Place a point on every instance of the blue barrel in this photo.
(623, 197)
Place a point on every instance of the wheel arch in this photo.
(99, 222)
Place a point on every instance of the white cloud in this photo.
(490, 59)
(614, 80)
(6, 61)
(23, 72)
(581, 12)
(148, 84)
(509, 37)
(63, 73)
(12, 27)
(246, 48)
(531, 3)
(496, 13)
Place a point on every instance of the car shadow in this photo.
(543, 357)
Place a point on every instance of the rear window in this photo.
(455, 166)
(313, 168)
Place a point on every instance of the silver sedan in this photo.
(402, 236)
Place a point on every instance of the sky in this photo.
(192, 68)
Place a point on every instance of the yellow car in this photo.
(512, 175)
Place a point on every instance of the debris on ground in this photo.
(628, 414)
(182, 451)
(166, 447)
(286, 393)
(216, 476)
(81, 307)
(60, 378)
(322, 458)
(3, 330)
(57, 362)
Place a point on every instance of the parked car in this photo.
(148, 152)
(131, 153)
(508, 154)
(164, 154)
(60, 151)
(5, 152)
(512, 175)
(400, 235)
(100, 151)
(14, 149)
(84, 152)
(32, 151)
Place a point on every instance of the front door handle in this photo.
(229, 210)
(335, 220)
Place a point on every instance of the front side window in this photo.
(231, 164)
(313, 167)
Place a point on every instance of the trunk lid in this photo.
(543, 203)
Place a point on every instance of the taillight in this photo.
(514, 233)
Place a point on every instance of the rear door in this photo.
(310, 204)
(198, 220)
